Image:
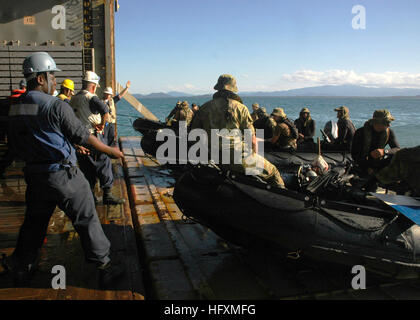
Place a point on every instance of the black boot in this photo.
(22, 277)
(22, 274)
(109, 198)
(110, 275)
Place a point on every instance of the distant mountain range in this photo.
(339, 91)
(323, 91)
(171, 94)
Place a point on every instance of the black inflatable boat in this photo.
(280, 158)
(322, 220)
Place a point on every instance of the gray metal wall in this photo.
(77, 33)
(54, 26)
(59, 22)
(68, 58)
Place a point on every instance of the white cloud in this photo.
(186, 87)
(393, 79)
(189, 86)
(301, 79)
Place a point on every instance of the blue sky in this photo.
(267, 45)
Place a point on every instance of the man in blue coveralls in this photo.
(94, 114)
(42, 132)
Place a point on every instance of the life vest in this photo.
(17, 92)
(14, 97)
(293, 130)
(304, 126)
(81, 106)
(267, 124)
(112, 110)
(290, 138)
(368, 132)
(63, 97)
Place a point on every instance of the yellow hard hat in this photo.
(69, 84)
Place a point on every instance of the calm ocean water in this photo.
(406, 111)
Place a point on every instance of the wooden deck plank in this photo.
(195, 248)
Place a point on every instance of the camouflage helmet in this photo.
(344, 109)
(345, 113)
(305, 110)
(256, 105)
(226, 82)
(184, 104)
(382, 116)
(278, 112)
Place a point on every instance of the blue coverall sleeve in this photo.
(69, 124)
(97, 105)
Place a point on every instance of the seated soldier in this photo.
(266, 123)
(306, 126)
(195, 108)
(346, 130)
(285, 132)
(369, 142)
(226, 111)
(183, 113)
(254, 114)
(172, 113)
(404, 168)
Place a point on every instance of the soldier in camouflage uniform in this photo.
(346, 129)
(369, 142)
(254, 114)
(264, 122)
(172, 113)
(226, 111)
(285, 132)
(184, 113)
(181, 112)
(195, 108)
(306, 126)
(404, 167)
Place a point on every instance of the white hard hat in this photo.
(91, 76)
(108, 90)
